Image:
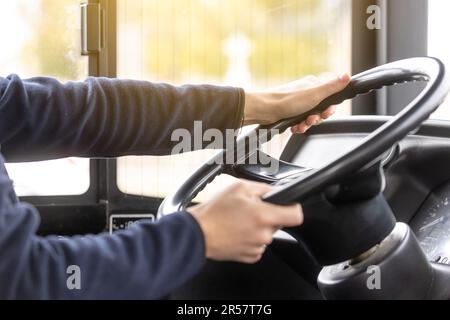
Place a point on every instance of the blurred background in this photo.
(254, 44)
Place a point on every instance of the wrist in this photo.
(260, 108)
(197, 213)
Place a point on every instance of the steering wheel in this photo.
(330, 234)
(372, 147)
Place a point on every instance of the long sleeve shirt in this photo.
(41, 119)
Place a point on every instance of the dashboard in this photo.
(432, 225)
(417, 174)
(417, 183)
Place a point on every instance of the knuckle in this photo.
(239, 185)
(334, 86)
(268, 240)
(261, 219)
(312, 120)
(258, 258)
(260, 251)
(268, 237)
(234, 187)
(249, 260)
(265, 238)
(254, 259)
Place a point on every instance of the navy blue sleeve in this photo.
(147, 261)
(42, 119)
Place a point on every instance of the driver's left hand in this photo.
(293, 99)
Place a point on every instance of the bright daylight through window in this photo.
(253, 44)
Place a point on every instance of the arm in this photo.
(41, 118)
(147, 261)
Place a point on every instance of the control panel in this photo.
(432, 225)
(119, 222)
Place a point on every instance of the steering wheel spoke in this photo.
(261, 167)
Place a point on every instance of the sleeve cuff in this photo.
(238, 121)
(198, 233)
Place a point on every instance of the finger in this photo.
(306, 129)
(319, 122)
(295, 129)
(287, 216)
(300, 128)
(330, 87)
(256, 188)
(303, 127)
(262, 239)
(313, 120)
(251, 259)
(329, 112)
(258, 251)
(297, 126)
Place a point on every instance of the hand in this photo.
(238, 225)
(291, 100)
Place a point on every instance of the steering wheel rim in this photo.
(408, 70)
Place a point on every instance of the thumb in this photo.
(286, 216)
(331, 87)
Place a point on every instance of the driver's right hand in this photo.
(238, 225)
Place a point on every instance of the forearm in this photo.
(148, 261)
(44, 119)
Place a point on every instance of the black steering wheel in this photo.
(371, 148)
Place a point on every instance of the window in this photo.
(439, 46)
(252, 44)
(42, 37)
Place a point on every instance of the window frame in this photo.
(88, 212)
(402, 38)
(403, 34)
(95, 65)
